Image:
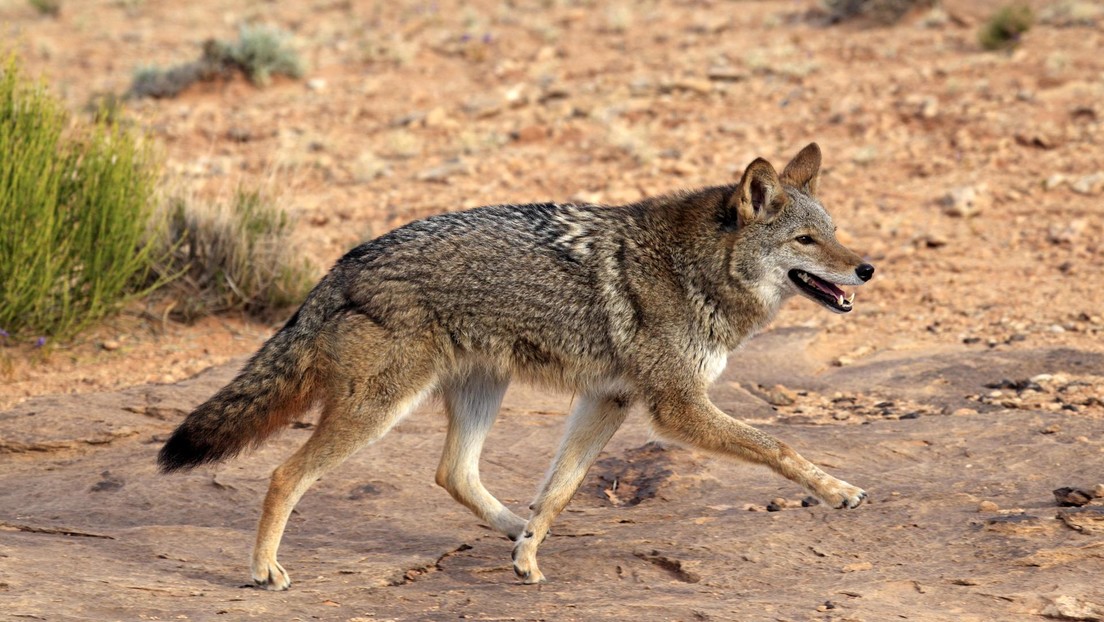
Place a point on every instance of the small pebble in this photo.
(988, 506)
(1072, 497)
(110, 345)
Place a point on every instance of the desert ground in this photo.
(964, 388)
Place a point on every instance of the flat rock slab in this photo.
(89, 530)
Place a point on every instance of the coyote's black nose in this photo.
(865, 271)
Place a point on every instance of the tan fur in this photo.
(623, 306)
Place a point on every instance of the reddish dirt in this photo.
(413, 109)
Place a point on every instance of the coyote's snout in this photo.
(631, 305)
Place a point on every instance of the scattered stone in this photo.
(1053, 428)
(1087, 520)
(110, 345)
(515, 96)
(931, 240)
(1054, 181)
(1089, 184)
(1066, 233)
(483, 106)
(988, 506)
(779, 395)
(967, 201)
(726, 73)
(1019, 386)
(316, 84)
(754, 507)
(1072, 497)
(441, 174)
(964, 412)
(865, 155)
(1073, 608)
(109, 483)
(774, 506)
(809, 501)
(531, 133)
(239, 134)
(929, 107)
(436, 118)
(1098, 491)
(858, 567)
(1015, 524)
(692, 85)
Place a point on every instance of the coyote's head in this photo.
(786, 240)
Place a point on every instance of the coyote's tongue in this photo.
(826, 291)
(825, 286)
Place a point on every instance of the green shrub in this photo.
(47, 7)
(232, 257)
(259, 53)
(1004, 28)
(75, 210)
(262, 52)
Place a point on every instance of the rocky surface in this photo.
(962, 522)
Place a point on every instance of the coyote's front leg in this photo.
(687, 415)
(589, 428)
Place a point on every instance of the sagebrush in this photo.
(1004, 28)
(259, 53)
(75, 212)
(232, 256)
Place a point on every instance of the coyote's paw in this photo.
(271, 576)
(511, 525)
(842, 495)
(525, 560)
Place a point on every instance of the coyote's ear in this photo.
(803, 172)
(760, 195)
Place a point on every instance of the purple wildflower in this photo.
(41, 341)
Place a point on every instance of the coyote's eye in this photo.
(805, 239)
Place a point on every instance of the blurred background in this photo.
(962, 146)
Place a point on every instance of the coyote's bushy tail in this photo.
(279, 382)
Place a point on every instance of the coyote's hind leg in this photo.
(346, 425)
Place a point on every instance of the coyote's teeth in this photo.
(851, 298)
(803, 276)
(839, 300)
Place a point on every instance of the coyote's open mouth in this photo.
(824, 292)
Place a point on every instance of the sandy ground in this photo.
(923, 394)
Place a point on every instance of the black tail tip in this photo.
(182, 452)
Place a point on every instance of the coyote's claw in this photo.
(271, 577)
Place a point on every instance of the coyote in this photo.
(630, 305)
